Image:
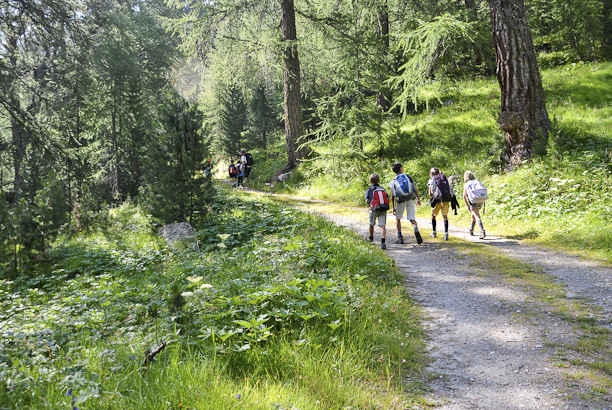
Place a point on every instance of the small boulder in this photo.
(177, 231)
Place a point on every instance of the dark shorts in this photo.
(247, 171)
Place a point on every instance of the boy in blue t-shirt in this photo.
(373, 215)
(407, 206)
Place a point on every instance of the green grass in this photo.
(560, 200)
(271, 309)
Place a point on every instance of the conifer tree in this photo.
(233, 120)
(176, 186)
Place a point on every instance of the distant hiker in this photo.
(247, 163)
(405, 191)
(208, 169)
(474, 196)
(441, 194)
(233, 173)
(377, 198)
(240, 175)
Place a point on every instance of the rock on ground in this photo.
(177, 231)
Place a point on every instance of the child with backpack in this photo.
(405, 191)
(233, 173)
(377, 198)
(441, 194)
(240, 175)
(474, 196)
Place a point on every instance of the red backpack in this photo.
(380, 200)
(232, 170)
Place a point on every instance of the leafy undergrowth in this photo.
(270, 308)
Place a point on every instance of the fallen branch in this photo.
(150, 354)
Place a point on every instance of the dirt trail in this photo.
(492, 344)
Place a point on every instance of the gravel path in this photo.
(492, 343)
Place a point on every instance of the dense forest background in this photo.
(104, 102)
(120, 116)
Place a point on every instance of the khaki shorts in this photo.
(409, 207)
(440, 206)
(476, 206)
(381, 215)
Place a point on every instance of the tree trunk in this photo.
(607, 29)
(19, 149)
(471, 14)
(523, 116)
(292, 99)
(383, 99)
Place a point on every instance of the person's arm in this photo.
(416, 191)
(392, 189)
(465, 198)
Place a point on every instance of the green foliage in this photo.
(178, 182)
(275, 296)
(51, 212)
(567, 184)
(262, 119)
(29, 228)
(574, 29)
(232, 121)
(422, 47)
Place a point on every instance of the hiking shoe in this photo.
(369, 239)
(446, 236)
(383, 245)
(400, 239)
(432, 234)
(417, 235)
(471, 232)
(482, 235)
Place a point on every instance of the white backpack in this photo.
(476, 192)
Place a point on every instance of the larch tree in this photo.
(294, 128)
(205, 22)
(523, 116)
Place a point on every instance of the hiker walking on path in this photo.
(377, 198)
(441, 194)
(474, 198)
(240, 175)
(233, 173)
(405, 191)
(247, 164)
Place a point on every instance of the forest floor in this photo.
(508, 326)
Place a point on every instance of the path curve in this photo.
(491, 344)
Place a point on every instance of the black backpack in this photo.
(444, 190)
(249, 158)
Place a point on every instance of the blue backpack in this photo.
(404, 189)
